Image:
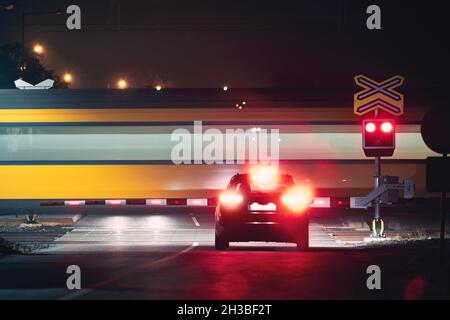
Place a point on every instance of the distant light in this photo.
(225, 88)
(256, 129)
(38, 49)
(68, 78)
(243, 102)
(240, 107)
(122, 84)
(344, 180)
(158, 87)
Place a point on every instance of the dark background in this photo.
(251, 43)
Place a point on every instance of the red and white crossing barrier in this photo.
(319, 202)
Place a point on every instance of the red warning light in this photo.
(386, 127)
(370, 127)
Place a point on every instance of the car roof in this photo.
(246, 176)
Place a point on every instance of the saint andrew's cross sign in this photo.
(378, 95)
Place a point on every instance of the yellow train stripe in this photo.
(168, 114)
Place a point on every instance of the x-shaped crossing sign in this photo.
(378, 95)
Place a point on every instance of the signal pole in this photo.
(377, 224)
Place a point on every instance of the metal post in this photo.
(377, 184)
(377, 224)
(443, 209)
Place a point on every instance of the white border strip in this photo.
(198, 202)
(156, 202)
(115, 202)
(321, 202)
(74, 203)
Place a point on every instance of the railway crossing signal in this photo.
(378, 134)
(378, 137)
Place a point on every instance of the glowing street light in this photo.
(225, 88)
(38, 49)
(68, 78)
(122, 84)
(158, 87)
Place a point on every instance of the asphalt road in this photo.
(172, 257)
(135, 232)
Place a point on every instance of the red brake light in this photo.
(231, 198)
(298, 198)
(370, 127)
(387, 127)
(264, 177)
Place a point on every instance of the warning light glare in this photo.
(370, 127)
(386, 127)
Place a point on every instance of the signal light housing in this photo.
(378, 137)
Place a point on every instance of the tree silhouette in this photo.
(35, 72)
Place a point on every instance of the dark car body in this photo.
(261, 215)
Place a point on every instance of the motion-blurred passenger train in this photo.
(91, 144)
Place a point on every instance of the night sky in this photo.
(251, 43)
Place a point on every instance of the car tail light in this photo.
(231, 199)
(297, 199)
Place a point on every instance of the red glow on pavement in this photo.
(415, 289)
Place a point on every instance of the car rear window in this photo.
(244, 184)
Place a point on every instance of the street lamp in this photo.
(68, 78)
(38, 49)
(122, 84)
(24, 15)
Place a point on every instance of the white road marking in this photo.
(138, 233)
(195, 221)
